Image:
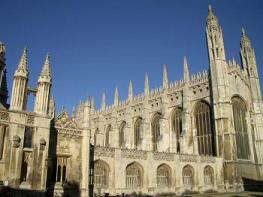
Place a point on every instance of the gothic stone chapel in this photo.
(202, 133)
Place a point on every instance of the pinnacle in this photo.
(46, 67)
(23, 61)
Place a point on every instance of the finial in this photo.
(103, 101)
(146, 85)
(116, 97)
(243, 31)
(186, 70)
(209, 8)
(130, 93)
(165, 78)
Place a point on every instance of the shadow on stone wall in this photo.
(7, 191)
(252, 185)
(71, 189)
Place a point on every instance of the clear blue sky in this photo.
(96, 45)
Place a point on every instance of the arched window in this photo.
(121, 134)
(138, 132)
(96, 133)
(28, 137)
(59, 174)
(239, 115)
(64, 173)
(188, 176)
(208, 175)
(107, 136)
(205, 135)
(163, 176)
(133, 176)
(177, 126)
(101, 172)
(155, 131)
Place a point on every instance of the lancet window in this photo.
(205, 135)
(155, 131)
(138, 132)
(177, 126)
(240, 124)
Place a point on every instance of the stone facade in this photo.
(202, 133)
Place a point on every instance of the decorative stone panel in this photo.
(163, 156)
(134, 154)
(101, 151)
(188, 158)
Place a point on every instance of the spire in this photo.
(165, 78)
(92, 103)
(46, 67)
(23, 61)
(103, 101)
(186, 70)
(116, 97)
(245, 41)
(130, 94)
(211, 18)
(146, 85)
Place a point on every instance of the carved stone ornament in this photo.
(16, 141)
(42, 144)
(4, 115)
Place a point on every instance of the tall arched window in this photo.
(138, 132)
(205, 135)
(59, 173)
(121, 134)
(101, 174)
(107, 136)
(188, 176)
(134, 176)
(155, 131)
(64, 171)
(208, 175)
(163, 176)
(177, 126)
(240, 124)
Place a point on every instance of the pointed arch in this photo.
(122, 134)
(101, 174)
(155, 127)
(177, 127)
(134, 175)
(239, 108)
(163, 175)
(208, 175)
(188, 175)
(138, 132)
(205, 133)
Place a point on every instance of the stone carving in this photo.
(4, 115)
(16, 141)
(206, 159)
(163, 156)
(30, 119)
(134, 154)
(188, 158)
(42, 144)
(27, 157)
(104, 151)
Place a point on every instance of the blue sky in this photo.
(97, 45)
